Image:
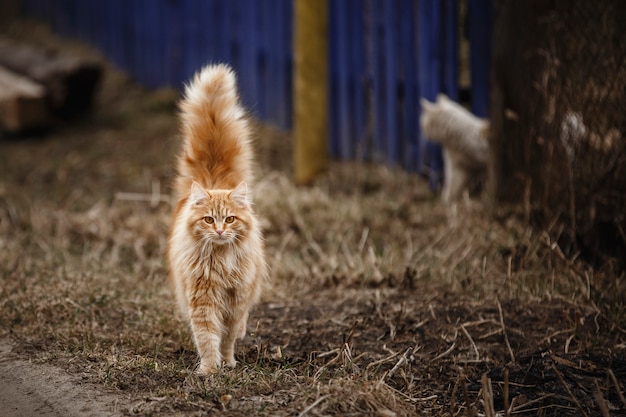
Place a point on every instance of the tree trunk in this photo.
(558, 104)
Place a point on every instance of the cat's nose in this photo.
(219, 232)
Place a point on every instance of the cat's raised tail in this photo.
(217, 152)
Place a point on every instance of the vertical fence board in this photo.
(153, 62)
(334, 46)
(340, 113)
(220, 34)
(450, 51)
(428, 71)
(269, 84)
(430, 80)
(123, 23)
(361, 82)
(376, 73)
(205, 37)
(368, 37)
(480, 21)
(272, 19)
(244, 16)
(358, 83)
(264, 80)
(409, 126)
(173, 39)
(286, 64)
(389, 58)
(191, 47)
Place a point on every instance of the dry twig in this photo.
(471, 341)
(404, 359)
(446, 353)
(507, 405)
(599, 399)
(569, 392)
(381, 361)
(407, 397)
(154, 198)
(469, 408)
(313, 405)
(523, 407)
(620, 394)
(506, 338)
(488, 396)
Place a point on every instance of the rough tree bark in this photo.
(558, 120)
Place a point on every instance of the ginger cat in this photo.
(215, 251)
(464, 140)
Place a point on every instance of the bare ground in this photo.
(383, 301)
(42, 390)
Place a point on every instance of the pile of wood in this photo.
(39, 86)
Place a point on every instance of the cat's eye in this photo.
(208, 220)
(229, 219)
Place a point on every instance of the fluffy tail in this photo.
(217, 152)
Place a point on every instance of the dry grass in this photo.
(383, 301)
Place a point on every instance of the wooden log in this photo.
(22, 103)
(70, 80)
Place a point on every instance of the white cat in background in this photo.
(463, 137)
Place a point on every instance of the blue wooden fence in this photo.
(384, 56)
(163, 42)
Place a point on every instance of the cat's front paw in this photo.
(206, 368)
(231, 362)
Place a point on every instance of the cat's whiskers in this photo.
(207, 248)
(235, 240)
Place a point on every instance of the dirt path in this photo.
(28, 390)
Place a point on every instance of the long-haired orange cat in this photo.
(215, 252)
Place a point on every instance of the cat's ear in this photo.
(426, 105)
(241, 194)
(198, 194)
(442, 98)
